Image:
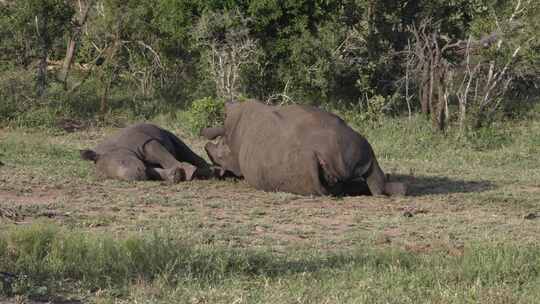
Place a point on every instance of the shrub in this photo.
(204, 112)
(15, 94)
(372, 111)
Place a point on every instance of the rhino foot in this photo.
(176, 175)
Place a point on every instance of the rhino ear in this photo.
(88, 154)
(212, 133)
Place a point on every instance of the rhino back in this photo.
(255, 135)
(133, 139)
(271, 152)
(279, 148)
(341, 147)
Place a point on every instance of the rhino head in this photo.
(220, 152)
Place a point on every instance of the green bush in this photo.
(15, 94)
(20, 106)
(368, 112)
(203, 113)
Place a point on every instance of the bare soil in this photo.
(441, 212)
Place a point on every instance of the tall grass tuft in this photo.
(43, 253)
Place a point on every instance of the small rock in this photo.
(48, 213)
(383, 239)
(408, 214)
(412, 210)
(531, 216)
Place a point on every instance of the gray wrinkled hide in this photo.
(298, 149)
(145, 151)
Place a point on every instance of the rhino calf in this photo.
(298, 149)
(146, 152)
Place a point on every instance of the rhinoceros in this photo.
(296, 148)
(146, 152)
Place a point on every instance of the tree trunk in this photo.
(438, 105)
(72, 44)
(441, 104)
(109, 76)
(70, 53)
(424, 95)
(105, 97)
(44, 44)
(434, 111)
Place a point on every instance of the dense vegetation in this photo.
(460, 62)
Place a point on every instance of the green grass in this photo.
(178, 270)
(65, 234)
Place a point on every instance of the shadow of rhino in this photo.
(428, 185)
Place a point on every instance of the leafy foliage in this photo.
(155, 56)
(203, 113)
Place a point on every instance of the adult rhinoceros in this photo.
(146, 152)
(298, 149)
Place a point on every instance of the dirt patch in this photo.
(439, 208)
(530, 189)
(23, 205)
(33, 197)
(233, 213)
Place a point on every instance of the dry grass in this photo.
(460, 197)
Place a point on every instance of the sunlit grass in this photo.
(64, 232)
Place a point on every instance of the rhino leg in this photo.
(156, 153)
(209, 172)
(172, 175)
(316, 181)
(328, 177)
(183, 153)
(378, 183)
(376, 179)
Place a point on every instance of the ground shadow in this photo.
(416, 186)
(426, 185)
(420, 185)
